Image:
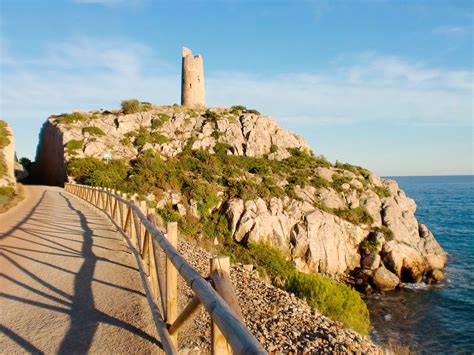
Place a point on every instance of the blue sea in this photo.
(439, 318)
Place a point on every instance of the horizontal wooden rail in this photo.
(144, 239)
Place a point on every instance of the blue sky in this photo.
(383, 84)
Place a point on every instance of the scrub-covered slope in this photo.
(233, 173)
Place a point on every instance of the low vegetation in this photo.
(93, 131)
(144, 135)
(337, 301)
(70, 118)
(333, 299)
(134, 106)
(4, 141)
(9, 196)
(357, 170)
(358, 215)
(387, 232)
(238, 109)
(382, 192)
(73, 146)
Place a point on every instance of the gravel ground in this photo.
(280, 321)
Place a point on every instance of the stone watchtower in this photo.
(192, 85)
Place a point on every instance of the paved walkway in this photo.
(67, 281)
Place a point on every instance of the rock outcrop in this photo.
(7, 155)
(347, 221)
(50, 163)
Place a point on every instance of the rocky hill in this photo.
(235, 173)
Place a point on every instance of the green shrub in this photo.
(382, 192)
(216, 134)
(354, 169)
(7, 191)
(237, 109)
(337, 301)
(318, 181)
(112, 174)
(203, 193)
(131, 106)
(73, 145)
(158, 138)
(338, 181)
(211, 116)
(216, 226)
(159, 120)
(356, 215)
(387, 232)
(144, 135)
(4, 141)
(93, 131)
(92, 171)
(4, 134)
(69, 118)
(255, 112)
(169, 214)
(273, 148)
(370, 245)
(267, 259)
(221, 150)
(125, 141)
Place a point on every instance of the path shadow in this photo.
(27, 346)
(80, 306)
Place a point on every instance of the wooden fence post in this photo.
(172, 281)
(220, 276)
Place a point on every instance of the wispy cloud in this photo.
(111, 3)
(457, 31)
(368, 89)
(87, 73)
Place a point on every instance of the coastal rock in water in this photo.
(434, 255)
(385, 280)
(406, 262)
(435, 276)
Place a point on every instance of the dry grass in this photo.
(6, 204)
(398, 348)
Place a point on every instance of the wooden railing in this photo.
(147, 243)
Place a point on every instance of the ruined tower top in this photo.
(192, 85)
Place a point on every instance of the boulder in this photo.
(356, 183)
(385, 280)
(330, 198)
(371, 202)
(371, 261)
(333, 243)
(406, 262)
(435, 276)
(325, 173)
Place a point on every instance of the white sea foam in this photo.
(416, 286)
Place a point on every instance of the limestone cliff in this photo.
(7, 156)
(329, 218)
